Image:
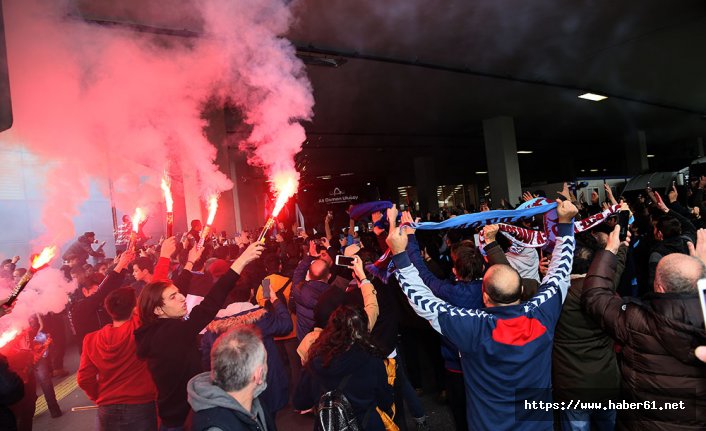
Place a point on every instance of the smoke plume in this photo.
(116, 105)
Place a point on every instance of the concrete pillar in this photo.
(425, 179)
(501, 155)
(636, 153)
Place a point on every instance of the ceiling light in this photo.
(481, 172)
(347, 174)
(593, 97)
(367, 184)
(583, 170)
(324, 177)
(525, 152)
(593, 170)
(650, 155)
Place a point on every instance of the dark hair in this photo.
(120, 303)
(272, 263)
(151, 297)
(346, 327)
(468, 262)
(144, 263)
(91, 280)
(669, 226)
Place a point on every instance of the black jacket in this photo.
(87, 314)
(12, 390)
(658, 336)
(170, 347)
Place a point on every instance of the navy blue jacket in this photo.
(272, 323)
(305, 295)
(463, 294)
(503, 349)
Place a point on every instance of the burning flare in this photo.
(169, 201)
(138, 218)
(43, 258)
(39, 261)
(212, 208)
(8, 336)
(285, 187)
(166, 188)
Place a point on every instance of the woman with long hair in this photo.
(344, 350)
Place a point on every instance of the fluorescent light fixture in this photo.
(593, 97)
(593, 170)
(481, 172)
(649, 156)
(347, 174)
(525, 152)
(324, 177)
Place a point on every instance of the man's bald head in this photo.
(319, 270)
(502, 285)
(678, 273)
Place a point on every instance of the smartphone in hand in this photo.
(344, 261)
(623, 220)
(266, 288)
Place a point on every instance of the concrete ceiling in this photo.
(420, 76)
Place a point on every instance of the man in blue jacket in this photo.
(506, 346)
(465, 292)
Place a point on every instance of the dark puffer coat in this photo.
(658, 336)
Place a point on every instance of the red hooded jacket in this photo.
(110, 372)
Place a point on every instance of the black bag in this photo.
(334, 412)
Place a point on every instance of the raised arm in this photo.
(443, 289)
(558, 274)
(461, 326)
(206, 311)
(598, 297)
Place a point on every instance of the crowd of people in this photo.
(223, 336)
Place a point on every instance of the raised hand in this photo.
(253, 252)
(672, 194)
(565, 192)
(699, 250)
(357, 267)
(566, 211)
(609, 194)
(124, 260)
(407, 220)
(397, 237)
(614, 242)
(169, 246)
(490, 232)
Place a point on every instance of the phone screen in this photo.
(623, 220)
(344, 260)
(266, 288)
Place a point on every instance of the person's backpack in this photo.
(334, 412)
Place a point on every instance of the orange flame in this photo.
(166, 188)
(137, 219)
(285, 187)
(44, 257)
(212, 208)
(8, 336)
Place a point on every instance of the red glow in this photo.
(285, 186)
(8, 336)
(137, 219)
(166, 188)
(43, 258)
(212, 208)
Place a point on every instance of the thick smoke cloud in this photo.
(112, 104)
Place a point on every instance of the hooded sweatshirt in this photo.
(171, 349)
(110, 372)
(215, 408)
